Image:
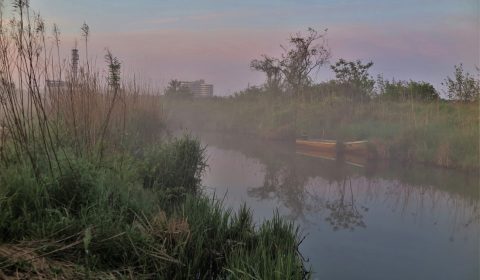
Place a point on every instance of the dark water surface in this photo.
(373, 221)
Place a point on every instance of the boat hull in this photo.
(359, 148)
(317, 145)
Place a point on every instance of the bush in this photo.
(177, 164)
(22, 202)
(403, 90)
(463, 86)
(75, 188)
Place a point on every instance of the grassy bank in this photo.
(91, 188)
(437, 133)
(143, 218)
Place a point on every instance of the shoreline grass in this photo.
(438, 133)
(112, 223)
(90, 188)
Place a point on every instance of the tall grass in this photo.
(440, 133)
(91, 188)
(49, 103)
(100, 221)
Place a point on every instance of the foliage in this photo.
(252, 92)
(304, 55)
(354, 75)
(114, 67)
(176, 89)
(439, 133)
(259, 260)
(178, 164)
(88, 190)
(104, 221)
(272, 69)
(403, 90)
(463, 86)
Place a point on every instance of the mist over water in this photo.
(257, 140)
(378, 221)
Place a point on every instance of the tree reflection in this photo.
(284, 184)
(288, 184)
(311, 186)
(344, 214)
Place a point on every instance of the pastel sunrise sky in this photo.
(216, 39)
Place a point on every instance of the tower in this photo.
(75, 58)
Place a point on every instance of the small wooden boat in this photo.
(352, 147)
(323, 145)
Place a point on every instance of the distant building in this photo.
(198, 88)
(62, 85)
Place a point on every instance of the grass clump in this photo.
(104, 225)
(259, 259)
(178, 165)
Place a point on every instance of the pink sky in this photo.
(216, 40)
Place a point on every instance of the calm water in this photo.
(360, 222)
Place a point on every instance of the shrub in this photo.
(462, 86)
(176, 164)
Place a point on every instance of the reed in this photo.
(49, 103)
(440, 132)
(91, 188)
(93, 221)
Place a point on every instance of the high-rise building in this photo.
(198, 88)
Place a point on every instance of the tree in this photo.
(303, 55)
(463, 86)
(175, 89)
(354, 75)
(271, 67)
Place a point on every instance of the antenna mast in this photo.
(75, 58)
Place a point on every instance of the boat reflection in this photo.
(311, 184)
(383, 219)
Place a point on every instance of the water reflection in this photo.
(362, 221)
(344, 214)
(284, 184)
(341, 191)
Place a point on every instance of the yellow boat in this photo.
(352, 147)
(321, 145)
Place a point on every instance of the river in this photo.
(360, 220)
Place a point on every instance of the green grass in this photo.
(436, 133)
(144, 217)
(88, 190)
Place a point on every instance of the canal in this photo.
(359, 220)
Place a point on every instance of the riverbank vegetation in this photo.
(403, 120)
(440, 133)
(93, 188)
